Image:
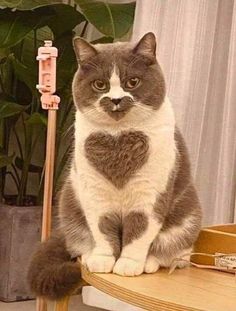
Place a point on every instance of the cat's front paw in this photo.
(128, 267)
(100, 263)
(151, 264)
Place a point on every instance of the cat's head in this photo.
(119, 81)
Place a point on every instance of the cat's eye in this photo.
(99, 85)
(132, 83)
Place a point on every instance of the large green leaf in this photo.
(25, 74)
(14, 26)
(26, 50)
(66, 62)
(5, 159)
(112, 19)
(27, 4)
(65, 18)
(3, 54)
(9, 109)
(38, 119)
(103, 40)
(6, 76)
(24, 60)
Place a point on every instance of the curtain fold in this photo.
(196, 47)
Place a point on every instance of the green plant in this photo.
(22, 121)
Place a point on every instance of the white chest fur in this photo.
(93, 188)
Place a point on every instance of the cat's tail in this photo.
(51, 273)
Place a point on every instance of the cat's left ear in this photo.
(147, 46)
(83, 50)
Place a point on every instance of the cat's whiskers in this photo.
(90, 111)
(142, 107)
(67, 130)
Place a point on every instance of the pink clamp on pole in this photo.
(47, 55)
(47, 86)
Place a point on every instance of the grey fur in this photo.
(178, 203)
(72, 222)
(134, 226)
(111, 225)
(118, 158)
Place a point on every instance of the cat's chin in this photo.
(116, 115)
(110, 119)
(119, 118)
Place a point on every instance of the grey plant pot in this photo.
(20, 231)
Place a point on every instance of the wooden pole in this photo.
(47, 87)
(41, 304)
(49, 171)
(62, 305)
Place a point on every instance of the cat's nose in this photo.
(116, 101)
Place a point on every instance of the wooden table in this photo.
(187, 289)
(191, 289)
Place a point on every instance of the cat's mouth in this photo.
(117, 108)
(116, 115)
(116, 111)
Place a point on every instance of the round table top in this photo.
(185, 289)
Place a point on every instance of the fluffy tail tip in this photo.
(52, 274)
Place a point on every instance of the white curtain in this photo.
(197, 50)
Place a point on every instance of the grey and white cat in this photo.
(129, 204)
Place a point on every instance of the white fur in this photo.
(128, 266)
(100, 263)
(133, 255)
(152, 264)
(97, 195)
(116, 91)
(171, 237)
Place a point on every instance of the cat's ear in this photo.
(83, 49)
(146, 46)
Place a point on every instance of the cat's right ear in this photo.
(83, 50)
(146, 46)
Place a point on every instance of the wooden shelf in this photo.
(189, 289)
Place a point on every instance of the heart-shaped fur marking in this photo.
(117, 157)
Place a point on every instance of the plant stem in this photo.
(35, 42)
(21, 49)
(16, 173)
(1, 170)
(40, 189)
(1, 185)
(25, 168)
(2, 84)
(18, 142)
(84, 29)
(24, 128)
(23, 182)
(5, 147)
